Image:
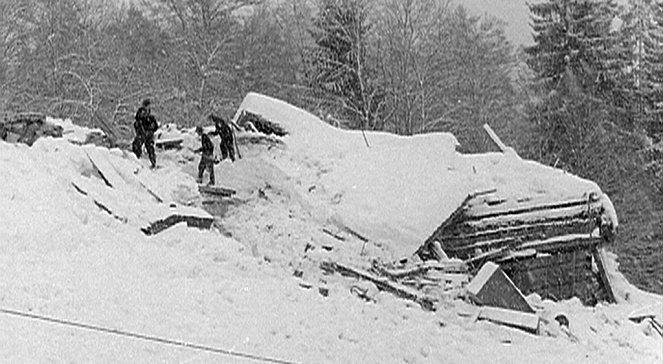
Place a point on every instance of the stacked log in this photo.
(547, 247)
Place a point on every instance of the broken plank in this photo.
(217, 190)
(599, 258)
(356, 234)
(171, 143)
(107, 171)
(333, 235)
(201, 222)
(493, 136)
(492, 287)
(522, 320)
(447, 267)
(382, 283)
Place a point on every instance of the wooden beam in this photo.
(605, 281)
(382, 283)
(493, 136)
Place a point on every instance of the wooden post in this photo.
(598, 257)
(493, 136)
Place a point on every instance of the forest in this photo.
(586, 97)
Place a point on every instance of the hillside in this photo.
(250, 289)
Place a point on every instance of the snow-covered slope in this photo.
(233, 289)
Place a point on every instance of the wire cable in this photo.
(145, 337)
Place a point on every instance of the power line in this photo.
(145, 337)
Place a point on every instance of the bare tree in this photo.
(205, 33)
(409, 52)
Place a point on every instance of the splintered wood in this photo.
(425, 283)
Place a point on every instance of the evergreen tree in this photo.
(641, 60)
(577, 34)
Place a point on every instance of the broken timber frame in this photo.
(547, 247)
(382, 283)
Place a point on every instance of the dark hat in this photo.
(146, 102)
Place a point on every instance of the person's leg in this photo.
(231, 150)
(201, 169)
(137, 146)
(224, 152)
(210, 165)
(149, 145)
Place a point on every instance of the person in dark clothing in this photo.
(207, 157)
(223, 130)
(145, 126)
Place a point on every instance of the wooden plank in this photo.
(483, 211)
(544, 229)
(171, 143)
(217, 190)
(382, 283)
(201, 222)
(534, 216)
(492, 287)
(522, 320)
(481, 258)
(566, 242)
(105, 168)
(493, 136)
(447, 267)
(605, 281)
(470, 249)
(455, 216)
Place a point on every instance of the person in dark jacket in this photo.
(223, 130)
(145, 125)
(207, 157)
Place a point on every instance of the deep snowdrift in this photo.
(400, 189)
(64, 256)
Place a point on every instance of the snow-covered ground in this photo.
(233, 288)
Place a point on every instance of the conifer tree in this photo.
(577, 34)
(641, 60)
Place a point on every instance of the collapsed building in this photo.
(549, 247)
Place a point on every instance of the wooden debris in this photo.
(198, 221)
(491, 287)
(171, 143)
(438, 252)
(452, 266)
(599, 258)
(493, 136)
(517, 232)
(382, 283)
(332, 234)
(522, 320)
(217, 190)
(651, 315)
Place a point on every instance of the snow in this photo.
(233, 287)
(73, 132)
